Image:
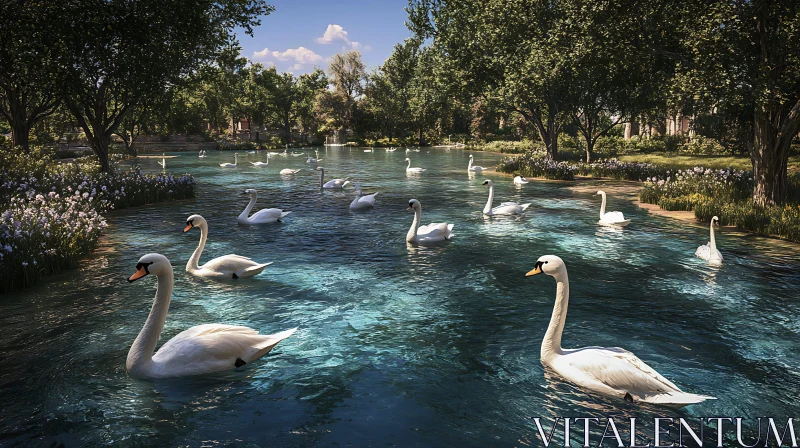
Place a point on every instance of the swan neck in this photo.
(246, 212)
(713, 241)
(412, 232)
(603, 207)
(321, 176)
(141, 353)
(192, 264)
(551, 344)
(488, 207)
(409, 164)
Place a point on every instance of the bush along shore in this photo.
(53, 214)
(725, 193)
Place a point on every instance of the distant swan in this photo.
(505, 208)
(472, 167)
(432, 233)
(226, 266)
(261, 163)
(413, 170)
(289, 171)
(615, 219)
(709, 251)
(519, 180)
(263, 216)
(333, 184)
(202, 153)
(201, 349)
(313, 159)
(231, 165)
(362, 202)
(609, 371)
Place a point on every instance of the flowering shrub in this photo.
(52, 213)
(694, 184)
(621, 170)
(533, 164)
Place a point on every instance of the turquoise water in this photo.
(396, 345)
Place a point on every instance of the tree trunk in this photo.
(773, 131)
(99, 144)
(20, 133)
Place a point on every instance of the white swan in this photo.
(263, 216)
(226, 266)
(616, 219)
(261, 163)
(163, 162)
(472, 167)
(333, 183)
(202, 153)
(297, 154)
(231, 165)
(391, 150)
(413, 170)
(432, 233)
(610, 371)
(201, 349)
(289, 171)
(313, 159)
(362, 202)
(519, 180)
(709, 251)
(506, 208)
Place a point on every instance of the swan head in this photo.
(251, 192)
(155, 264)
(488, 183)
(319, 168)
(600, 192)
(715, 221)
(413, 204)
(407, 159)
(548, 264)
(194, 221)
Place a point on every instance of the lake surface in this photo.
(396, 345)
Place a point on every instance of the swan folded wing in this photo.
(614, 217)
(230, 263)
(703, 252)
(267, 213)
(621, 370)
(214, 347)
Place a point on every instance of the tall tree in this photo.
(115, 64)
(31, 66)
(746, 53)
(503, 51)
(346, 73)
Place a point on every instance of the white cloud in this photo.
(301, 55)
(334, 33)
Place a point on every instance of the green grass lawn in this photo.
(714, 162)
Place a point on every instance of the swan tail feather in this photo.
(284, 214)
(525, 206)
(269, 342)
(253, 270)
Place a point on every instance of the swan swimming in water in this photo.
(615, 219)
(263, 216)
(202, 153)
(261, 163)
(226, 266)
(431, 233)
(313, 159)
(201, 349)
(289, 171)
(472, 167)
(609, 371)
(362, 202)
(709, 251)
(519, 180)
(505, 208)
(413, 170)
(333, 184)
(231, 165)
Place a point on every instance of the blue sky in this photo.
(302, 34)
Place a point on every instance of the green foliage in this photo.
(782, 221)
(508, 147)
(536, 164)
(700, 145)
